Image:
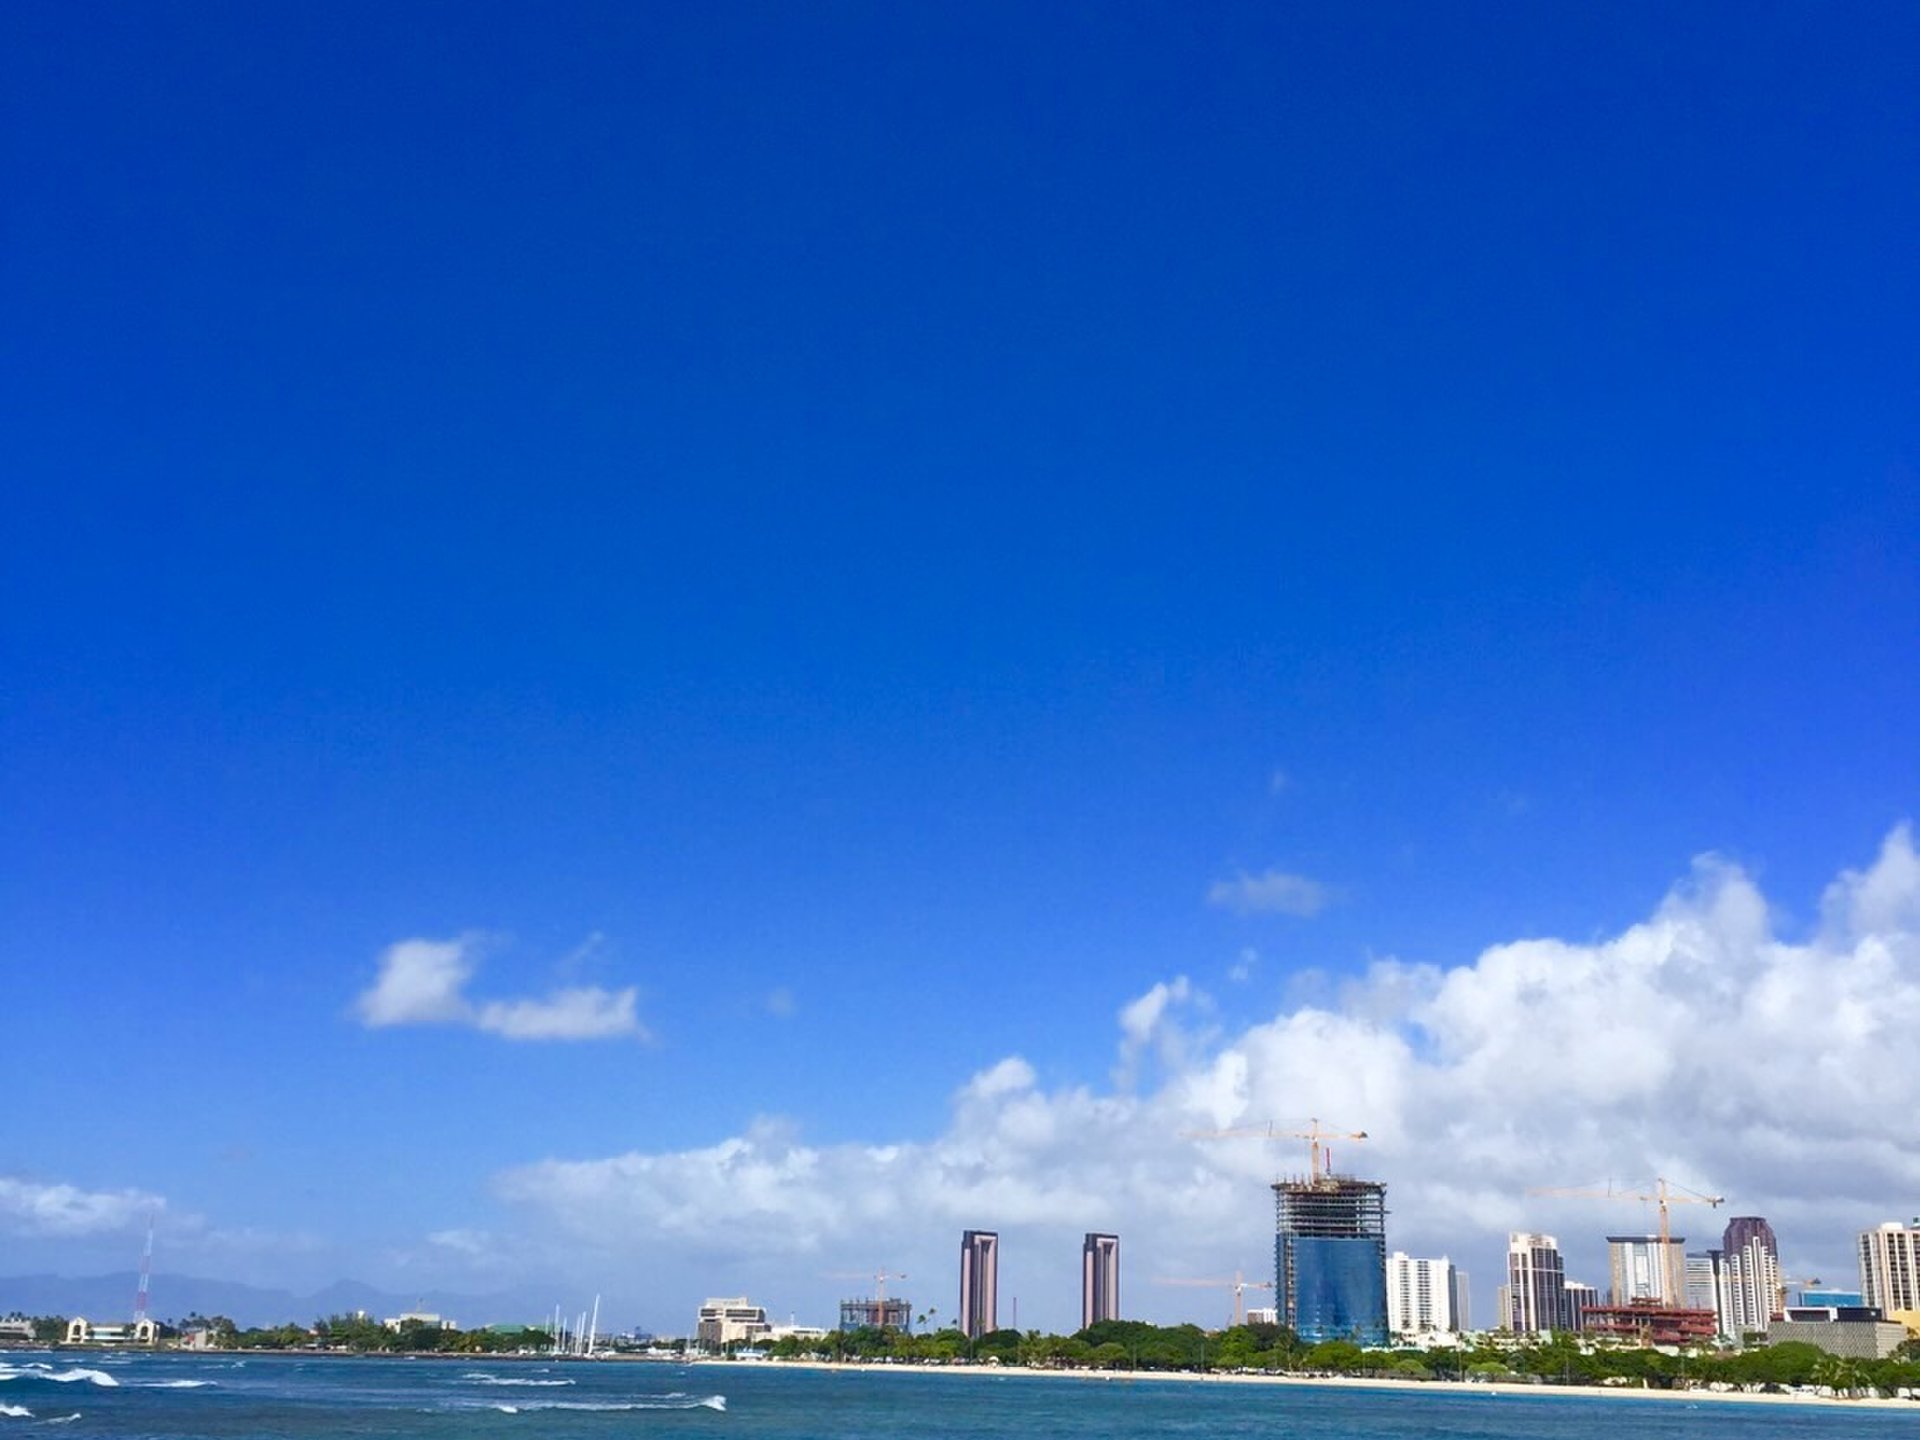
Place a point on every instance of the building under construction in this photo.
(1651, 1323)
(883, 1312)
(1330, 1257)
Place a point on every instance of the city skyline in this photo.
(676, 651)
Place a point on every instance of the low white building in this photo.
(82, 1331)
(798, 1332)
(419, 1319)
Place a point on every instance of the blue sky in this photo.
(853, 523)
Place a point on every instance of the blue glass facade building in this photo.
(1330, 1258)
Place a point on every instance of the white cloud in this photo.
(423, 982)
(1271, 892)
(473, 1244)
(34, 1208)
(1243, 965)
(420, 983)
(1697, 1044)
(582, 1013)
(1146, 1023)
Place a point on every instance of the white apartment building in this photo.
(1752, 1287)
(1890, 1267)
(1645, 1269)
(1420, 1295)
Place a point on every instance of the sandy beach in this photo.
(1499, 1390)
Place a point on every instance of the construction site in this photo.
(1330, 1241)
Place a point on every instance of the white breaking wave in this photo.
(174, 1384)
(62, 1419)
(653, 1402)
(17, 1412)
(58, 1377)
(477, 1379)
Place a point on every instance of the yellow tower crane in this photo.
(1239, 1285)
(879, 1278)
(1315, 1136)
(1663, 1194)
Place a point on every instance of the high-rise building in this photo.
(979, 1283)
(1645, 1274)
(1890, 1267)
(1330, 1258)
(1536, 1285)
(1752, 1277)
(1706, 1287)
(1580, 1299)
(1462, 1306)
(1420, 1295)
(1099, 1279)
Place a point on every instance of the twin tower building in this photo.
(980, 1281)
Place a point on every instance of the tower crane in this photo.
(1238, 1285)
(1319, 1157)
(1664, 1193)
(878, 1277)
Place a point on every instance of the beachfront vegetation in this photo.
(364, 1335)
(1134, 1345)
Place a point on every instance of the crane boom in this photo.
(1315, 1136)
(1238, 1285)
(1664, 1193)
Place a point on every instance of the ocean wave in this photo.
(57, 1377)
(476, 1377)
(16, 1412)
(652, 1402)
(174, 1384)
(62, 1419)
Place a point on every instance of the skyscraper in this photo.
(1099, 1279)
(1536, 1285)
(1707, 1288)
(1420, 1295)
(1330, 1258)
(1462, 1301)
(1890, 1267)
(1752, 1276)
(979, 1283)
(1642, 1273)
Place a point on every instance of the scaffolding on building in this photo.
(1330, 1249)
(881, 1312)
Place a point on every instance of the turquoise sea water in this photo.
(133, 1397)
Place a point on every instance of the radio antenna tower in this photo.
(146, 1276)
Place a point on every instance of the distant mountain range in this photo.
(110, 1297)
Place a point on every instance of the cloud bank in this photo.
(43, 1210)
(423, 982)
(1697, 1044)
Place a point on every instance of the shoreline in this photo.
(1499, 1389)
(1489, 1389)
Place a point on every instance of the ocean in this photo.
(225, 1397)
